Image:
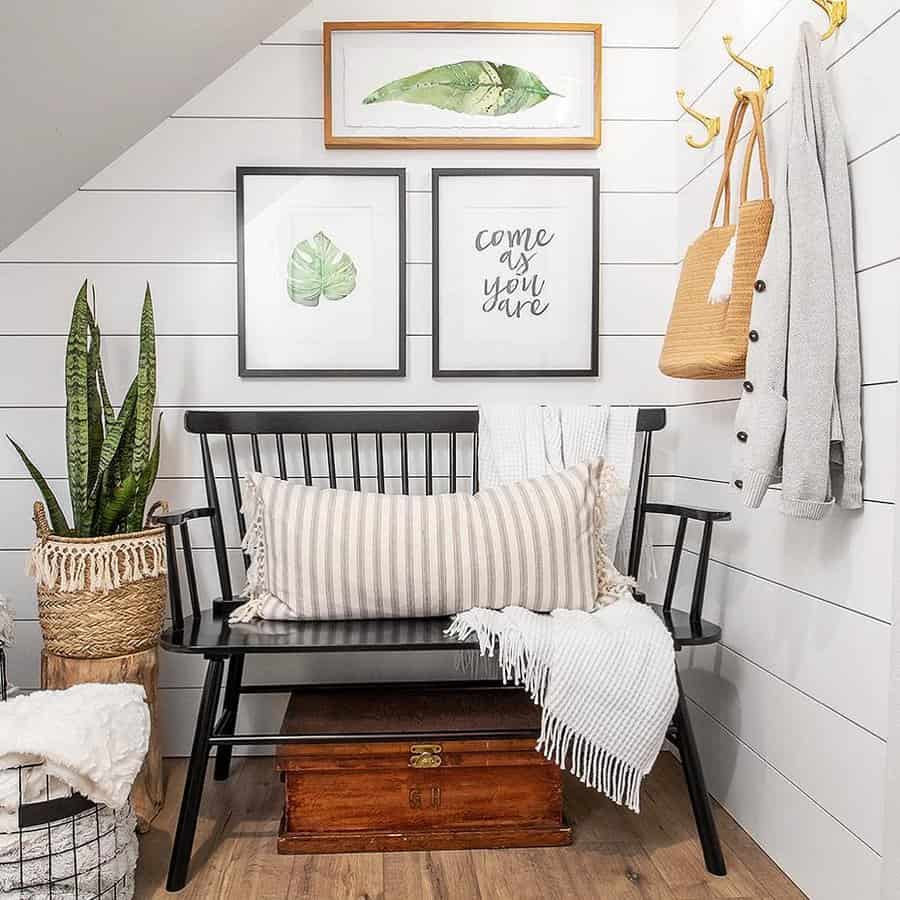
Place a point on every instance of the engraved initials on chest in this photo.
(418, 795)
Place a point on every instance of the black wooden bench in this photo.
(207, 632)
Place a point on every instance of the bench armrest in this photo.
(689, 512)
(181, 516)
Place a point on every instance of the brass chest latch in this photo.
(424, 756)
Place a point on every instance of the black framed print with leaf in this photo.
(321, 272)
(515, 272)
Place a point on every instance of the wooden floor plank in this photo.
(436, 875)
(617, 855)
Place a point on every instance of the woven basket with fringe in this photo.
(101, 596)
(706, 339)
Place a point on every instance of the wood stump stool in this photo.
(58, 672)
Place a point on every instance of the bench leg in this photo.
(696, 785)
(196, 772)
(229, 715)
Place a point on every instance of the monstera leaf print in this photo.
(474, 87)
(318, 268)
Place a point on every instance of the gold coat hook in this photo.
(765, 77)
(837, 15)
(712, 124)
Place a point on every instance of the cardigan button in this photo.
(748, 387)
(754, 335)
(759, 286)
(738, 483)
(742, 437)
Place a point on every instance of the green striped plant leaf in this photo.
(472, 87)
(77, 439)
(116, 508)
(57, 517)
(144, 485)
(94, 408)
(108, 450)
(146, 388)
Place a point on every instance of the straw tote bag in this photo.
(708, 339)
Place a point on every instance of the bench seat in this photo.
(211, 635)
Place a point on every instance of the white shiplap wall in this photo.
(792, 709)
(164, 211)
(792, 726)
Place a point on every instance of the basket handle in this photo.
(40, 521)
(43, 528)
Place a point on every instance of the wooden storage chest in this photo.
(426, 791)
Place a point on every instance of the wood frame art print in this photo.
(321, 269)
(462, 84)
(515, 272)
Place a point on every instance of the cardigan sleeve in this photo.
(806, 488)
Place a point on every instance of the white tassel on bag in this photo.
(720, 292)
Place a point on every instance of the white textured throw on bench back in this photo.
(332, 554)
(605, 679)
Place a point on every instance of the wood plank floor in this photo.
(616, 855)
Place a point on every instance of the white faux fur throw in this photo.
(91, 737)
(605, 681)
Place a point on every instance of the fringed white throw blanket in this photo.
(605, 680)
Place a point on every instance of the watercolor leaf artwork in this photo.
(319, 268)
(474, 87)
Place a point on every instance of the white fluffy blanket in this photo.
(91, 737)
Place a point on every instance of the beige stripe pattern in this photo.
(333, 554)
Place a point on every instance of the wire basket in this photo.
(57, 844)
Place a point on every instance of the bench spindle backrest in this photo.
(452, 433)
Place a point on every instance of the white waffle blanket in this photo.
(605, 680)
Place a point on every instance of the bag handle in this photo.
(757, 139)
(724, 189)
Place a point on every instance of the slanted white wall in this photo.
(792, 709)
(164, 211)
(82, 81)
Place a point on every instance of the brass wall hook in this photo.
(765, 76)
(837, 15)
(712, 124)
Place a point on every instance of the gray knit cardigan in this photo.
(798, 421)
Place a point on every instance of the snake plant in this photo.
(112, 462)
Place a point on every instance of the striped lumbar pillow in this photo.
(332, 554)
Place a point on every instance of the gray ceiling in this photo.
(80, 82)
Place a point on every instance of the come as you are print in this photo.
(516, 282)
(320, 280)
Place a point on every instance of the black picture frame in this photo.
(242, 172)
(437, 370)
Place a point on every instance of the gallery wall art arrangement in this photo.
(516, 259)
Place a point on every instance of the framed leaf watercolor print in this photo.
(321, 272)
(462, 84)
(515, 272)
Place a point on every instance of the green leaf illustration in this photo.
(474, 87)
(318, 268)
